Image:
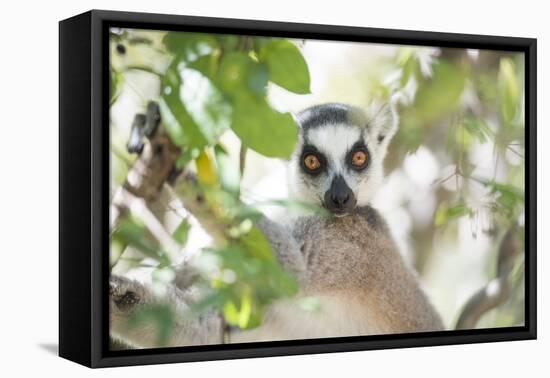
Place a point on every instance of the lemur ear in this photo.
(296, 120)
(383, 122)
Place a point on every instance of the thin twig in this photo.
(518, 154)
(242, 159)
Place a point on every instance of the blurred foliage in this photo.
(451, 101)
(212, 83)
(250, 278)
(215, 83)
(131, 231)
(471, 101)
(160, 315)
(454, 103)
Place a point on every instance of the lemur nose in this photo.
(339, 198)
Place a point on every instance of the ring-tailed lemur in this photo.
(348, 261)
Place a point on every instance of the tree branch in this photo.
(497, 291)
(129, 203)
(155, 171)
(155, 165)
(187, 189)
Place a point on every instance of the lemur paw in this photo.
(125, 294)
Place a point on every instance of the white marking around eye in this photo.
(334, 141)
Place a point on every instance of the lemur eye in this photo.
(312, 162)
(359, 159)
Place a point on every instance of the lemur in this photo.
(348, 260)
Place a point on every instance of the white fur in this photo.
(335, 141)
(337, 316)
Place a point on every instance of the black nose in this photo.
(339, 198)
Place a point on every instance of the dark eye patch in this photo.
(359, 146)
(311, 150)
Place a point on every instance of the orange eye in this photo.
(359, 159)
(312, 162)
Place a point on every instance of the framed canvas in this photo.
(236, 188)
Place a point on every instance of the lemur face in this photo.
(338, 159)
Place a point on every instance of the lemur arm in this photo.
(128, 296)
(285, 246)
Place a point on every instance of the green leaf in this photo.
(231, 312)
(176, 120)
(228, 171)
(189, 46)
(242, 311)
(259, 280)
(207, 65)
(206, 173)
(458, 211)
(287, 67)
(508, 87)
(440, 95)
(115, 79)
(195, 113)
(256, 243)
(116, 248)
(258, 43)
(228, 42)
(240, 75)
(408, 63)
(131, 232)
(440, 217)
(206, 105)
(263, 129)
(248, 212)
(254, 121)
(444, 213)
(295, 206)
(181, 233)
(245, 311)
(257, 79)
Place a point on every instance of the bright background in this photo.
(29, 194)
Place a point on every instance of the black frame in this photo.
(84, 192)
